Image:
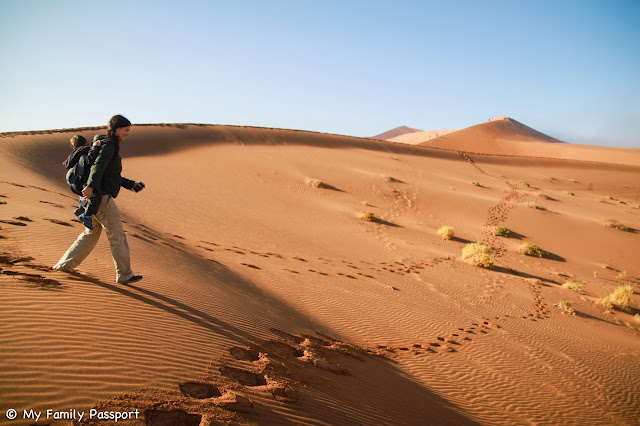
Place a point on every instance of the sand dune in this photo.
(268, 299)
(401, 130)
(415, 138)
(507, 137)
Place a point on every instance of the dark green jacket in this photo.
(105, 172)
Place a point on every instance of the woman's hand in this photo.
(139, 186)
(87, 191)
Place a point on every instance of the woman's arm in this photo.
(127, 183)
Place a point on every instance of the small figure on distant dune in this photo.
(105, 177)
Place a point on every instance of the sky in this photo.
(570, 69)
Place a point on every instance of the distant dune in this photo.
(294, 277)
(395, 132)
(508, 137)
(419, 137)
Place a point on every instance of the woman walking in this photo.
(105, 177)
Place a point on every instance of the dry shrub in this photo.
(567, 305)
(446, 232)
(529, 249)
(317, 183)
(573, 286)
(620, 298)
(501, 231)
(478, 254)
(368, 216)
(613, 223)
(536, 206)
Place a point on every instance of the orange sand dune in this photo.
(268, 299)
(419, 137)
(507, 137)
(398, 131)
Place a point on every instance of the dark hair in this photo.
(77, 141)
(116, 122)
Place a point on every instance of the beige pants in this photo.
(108, 217)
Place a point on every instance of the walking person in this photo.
(106, 177)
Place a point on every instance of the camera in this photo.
(139, 186)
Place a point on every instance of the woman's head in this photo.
(118, 128)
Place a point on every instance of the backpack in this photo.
(78, 174)
(79, 166)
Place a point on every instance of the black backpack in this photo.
(78, 174)
(79, 166)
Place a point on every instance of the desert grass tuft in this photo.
(529, 249)
(446, 232)
(525, 183)
(620, 298)
(536, 206)
(317, 183)
(476, 183)
(501, 231)
(567, 305)
(570, 193)
(613, 223)
(478, 254)
(391, 179)
(573, 286)
(368, 216)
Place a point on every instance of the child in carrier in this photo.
(86, 208)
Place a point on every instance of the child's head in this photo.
(77, 141)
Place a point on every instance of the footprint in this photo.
(60, 222)
(250, 266)
(287, 336)
(53, 204)
(13, 222)
(199, 390)
(244, 377)
(285, 393)
(285, 349)
(244, 354)
(140, 237)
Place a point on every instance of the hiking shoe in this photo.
(133, 279)
(88, 222)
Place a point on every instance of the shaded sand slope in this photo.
(259, 285)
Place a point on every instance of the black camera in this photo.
(139, 186)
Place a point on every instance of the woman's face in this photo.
(122, 133)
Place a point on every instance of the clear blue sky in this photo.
(570, 69)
